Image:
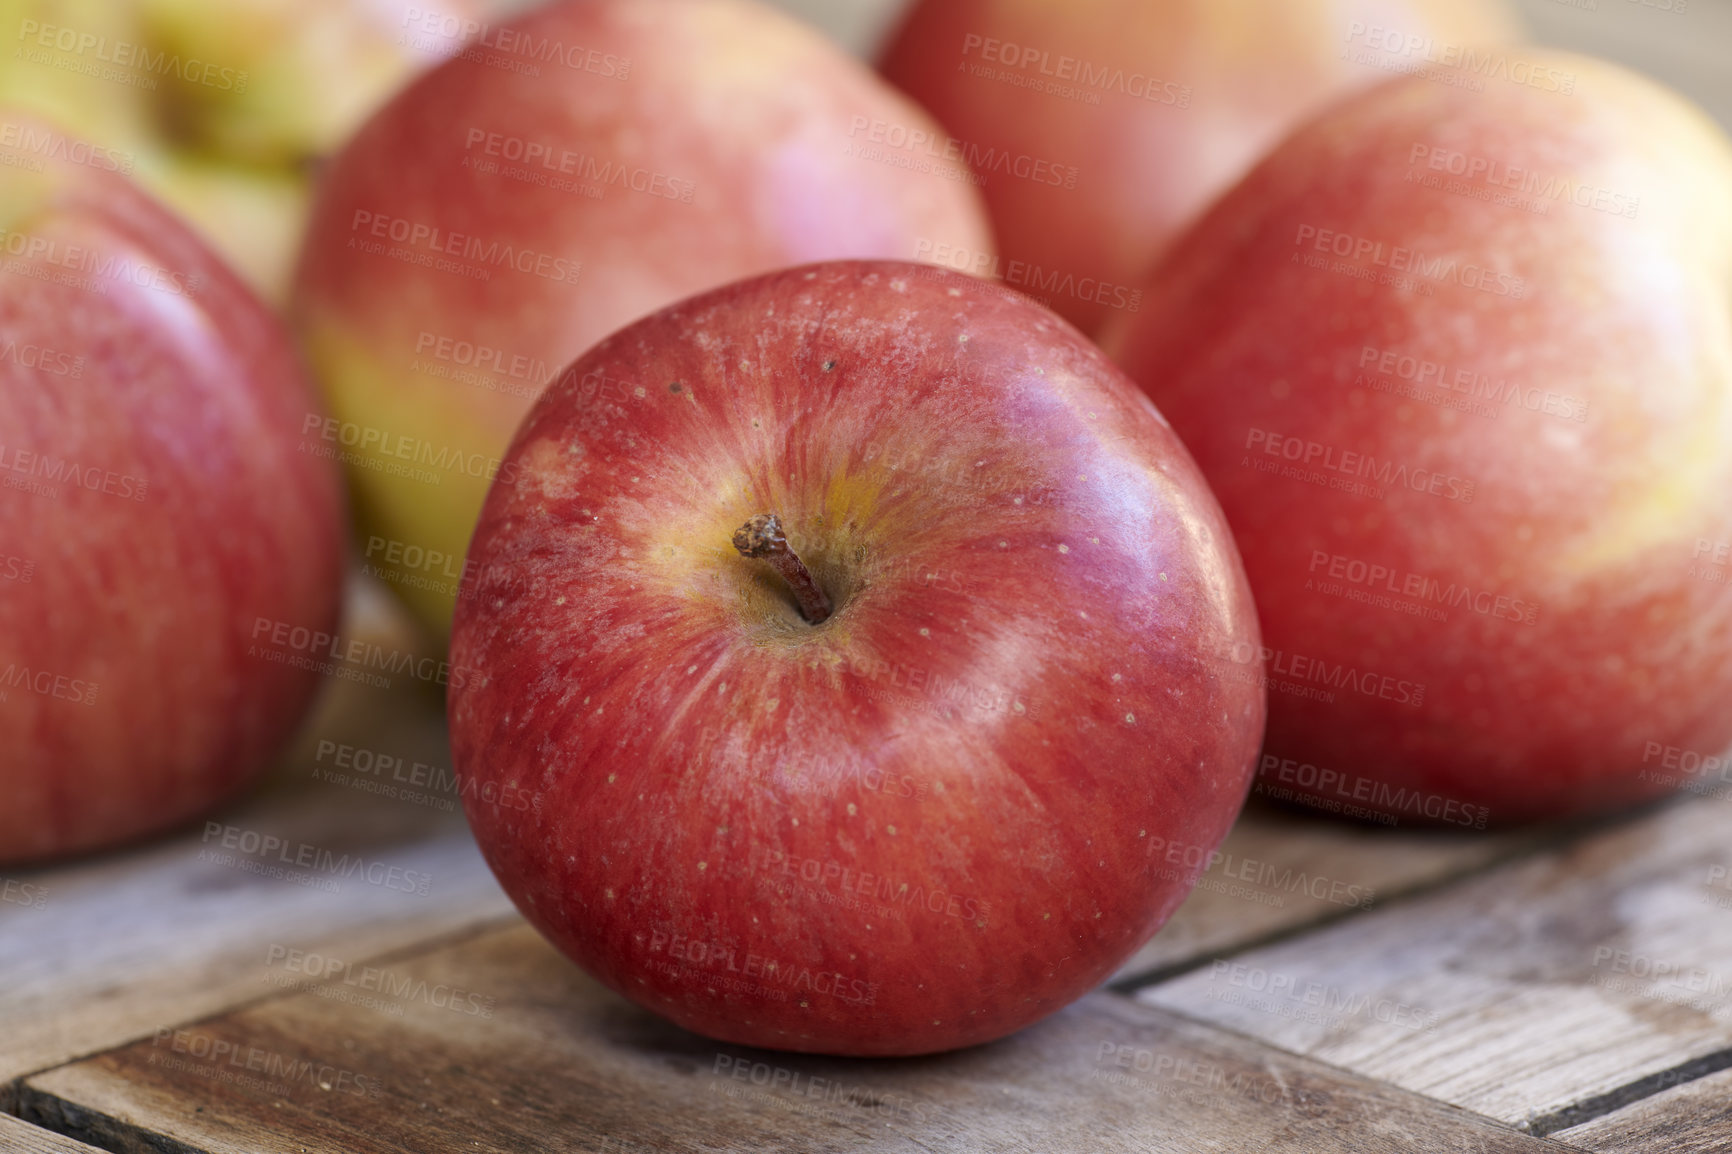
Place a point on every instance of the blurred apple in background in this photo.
(1459, 367)
(155, 507)
(223, 107)
(1151, 108)
(593, 162)
(939, 813)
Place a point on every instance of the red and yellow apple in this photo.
(221, 107)
(1103, 127)
(933, 816)
(156, 505)
(1458, 365)
(580, 168)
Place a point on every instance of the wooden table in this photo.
(1327, 988)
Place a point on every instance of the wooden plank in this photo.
(1516, 994)
(1278, 872)
(99, 952)
(562, 1063)
(22, 1138)
(1694, 1117)
(111, 950)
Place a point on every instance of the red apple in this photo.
(154, 507)
(1102, 127)
(568, 173)
(949, 808)
(1458, 366)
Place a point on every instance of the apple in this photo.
(222, 107)
(578, 169)
(857, 624)
(1458, 365)
(307, 72)
(156, 505)
(1103, 127)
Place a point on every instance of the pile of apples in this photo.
(889, 518)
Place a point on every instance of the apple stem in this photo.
(762, 537)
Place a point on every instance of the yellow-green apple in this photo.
(1458, 365)
(155, 509)
(576, 170)
(223, 106)
(911, 765)
(309, 72)
(1149, 109)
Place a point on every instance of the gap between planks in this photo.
(69, 1117)
(1626, 885)
(1548, 1126)
(1546, 841)
(603, 1074)
(1641, 1089)
(11, 1091)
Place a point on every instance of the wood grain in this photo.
(1692, 1118)
(1519, 993)
(108, 949)
(22, 1138)
(1278, 872)
(563, 1064)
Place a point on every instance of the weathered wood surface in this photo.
(559, 1063)
(136, 945)
(1694, 1117)
(1531, 1022)
(1539, 985)
(1278, 872)
(21, 1138)
(96, 953)
(100, 952)
(125, 951)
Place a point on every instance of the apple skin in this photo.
(264, 90)
(990, 505)
(1597, 339)
(313, 70)
(1230, 77)
(130, 589)
(744, 120)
